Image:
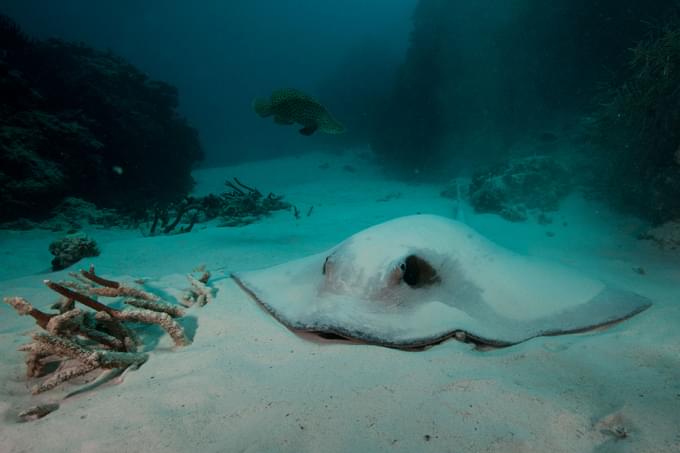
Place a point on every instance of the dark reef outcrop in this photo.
(637, 130)
(479, 77)
(518, 187)
(71, 249)
(79, 122)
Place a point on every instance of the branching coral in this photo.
(240, 205)
(85, 341)
(245, 204)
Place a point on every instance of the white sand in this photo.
(249, 384)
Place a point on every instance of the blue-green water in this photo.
(238, 162)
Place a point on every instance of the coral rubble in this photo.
(82, 341)
(199, 293)
(514, 188)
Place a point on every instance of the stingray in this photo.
(416, 281)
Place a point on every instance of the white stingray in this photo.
(418, 280)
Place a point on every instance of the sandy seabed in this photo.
(247, 383)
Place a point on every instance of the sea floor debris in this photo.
(199, 293)
(240, 205)
(520, 187)
(81, 341)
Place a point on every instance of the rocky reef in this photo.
(480, 77)
(519, 187)
(637, 130)
(78, 122)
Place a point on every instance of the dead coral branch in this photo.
(24, 308)
(199, 293)
(98, 337)
(88, 359)
(150, 317)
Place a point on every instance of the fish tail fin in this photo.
(262, 107)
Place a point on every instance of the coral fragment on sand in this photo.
(83, 341)
(36, 412)
(199, 293)
(88, 359)
(666, 235)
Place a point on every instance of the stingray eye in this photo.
(417, 272)
(325, 263)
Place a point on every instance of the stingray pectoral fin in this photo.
(493, 295)
(309, 130)
(607, 307)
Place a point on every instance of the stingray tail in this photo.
(262, 107)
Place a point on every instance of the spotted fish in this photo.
(290, 106)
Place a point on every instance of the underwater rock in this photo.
(666, 236)
(516, 213)
(637, 129)
(79, 211)
(290, 106)
(71, 249)
(449, 105)
(79, 122)
(70, 215)
(30, 176)
(513, 188)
